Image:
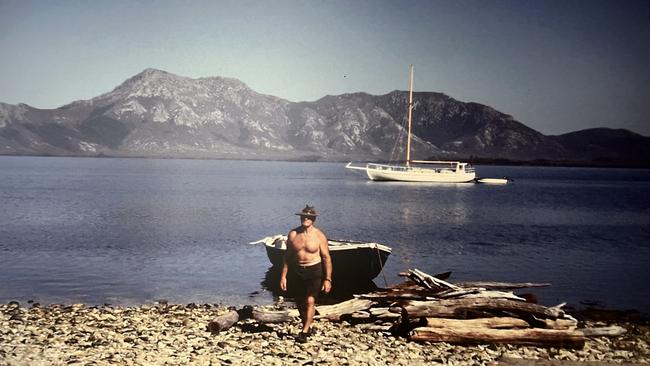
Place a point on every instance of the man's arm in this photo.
(327, 261)
(285, 262)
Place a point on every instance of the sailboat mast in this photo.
(408, 140)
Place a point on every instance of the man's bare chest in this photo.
(305, 243)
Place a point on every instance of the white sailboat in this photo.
(438, 172)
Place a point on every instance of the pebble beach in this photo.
(169, 334)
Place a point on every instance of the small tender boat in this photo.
(503, 180)
(352, 261)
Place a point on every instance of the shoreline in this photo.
(540, 162)
(174, 334)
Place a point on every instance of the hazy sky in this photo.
(555, 65)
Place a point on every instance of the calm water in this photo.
(130, 231)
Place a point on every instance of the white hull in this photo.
(415, 174)
(459, 173)
(493, 180)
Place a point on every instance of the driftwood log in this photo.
(383, 313)
(490, 323)
(427, 308)
(492, 294)
(403, 295)
(346, 307)
(530, 336)
(501, 285)
(611, 331)
(458, 308)
(457, 293)
(559, 323)
(273, 316)
(223, 322)
(361, 315)
(429, 282)
(376, 327)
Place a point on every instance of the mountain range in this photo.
(159, 114)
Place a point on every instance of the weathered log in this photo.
(223, 322)
(490, 323)
(376, 327)
(360, 315)
(435, 280)
(477, 292)
(378, 310)
(430, 282)
(383, 313)
(407, 290)
(611, 331)
(394, 296)
(559, 323)
(457, 293)
(532, 336)
(492, 295)
(346, 307)
(557, 310)
(272, 316)
(501, 285)
(457, 308)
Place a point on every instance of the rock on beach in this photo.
(177, 334)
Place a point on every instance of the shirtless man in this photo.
(306, 257)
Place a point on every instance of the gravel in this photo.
(177, 334)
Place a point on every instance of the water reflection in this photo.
(426, 202)
(340, 291)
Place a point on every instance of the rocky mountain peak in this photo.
(150, 83)
(157, 113)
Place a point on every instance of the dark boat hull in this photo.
(349, 265)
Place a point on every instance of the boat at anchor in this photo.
(436, 172)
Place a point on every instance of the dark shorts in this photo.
(305, 281)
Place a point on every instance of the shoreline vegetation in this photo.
(594, 163)
(424, 320)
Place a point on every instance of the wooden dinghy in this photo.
(352, 261)
(503, 180)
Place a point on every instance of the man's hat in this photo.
(308, 211)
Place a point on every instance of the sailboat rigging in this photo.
(440, 172)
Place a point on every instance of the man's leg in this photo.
(301, 303)
(310, 311)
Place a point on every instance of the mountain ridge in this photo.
(159, 114)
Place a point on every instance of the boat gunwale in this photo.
(334, 244)
(416, 170)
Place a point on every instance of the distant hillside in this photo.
(160, 114)
(606, 145)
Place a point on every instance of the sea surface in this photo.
(132, 231)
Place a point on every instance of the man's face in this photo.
(307, 221)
